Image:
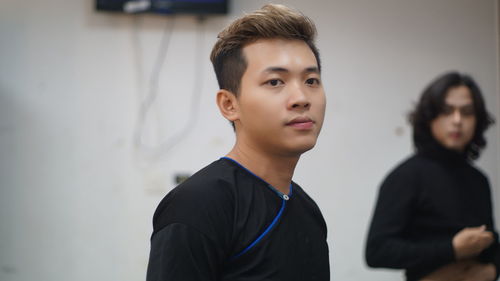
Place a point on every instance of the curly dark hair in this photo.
(431, 104)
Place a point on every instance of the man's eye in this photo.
(447, 110)
(312, 81)
(274, 82)
(467, 111)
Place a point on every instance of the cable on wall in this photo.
(159, 151)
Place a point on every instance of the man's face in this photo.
(454, 127)
(281, 104)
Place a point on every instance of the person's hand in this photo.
(480, 272)
(450, 272)
(471, 241)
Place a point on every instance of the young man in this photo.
(242, 217)
(433, 216)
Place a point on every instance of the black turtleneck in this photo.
(421, 205)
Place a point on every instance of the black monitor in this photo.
(196, 7)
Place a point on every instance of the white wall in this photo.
(76, 195)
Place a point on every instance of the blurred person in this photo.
(242, 217)
(434, 215)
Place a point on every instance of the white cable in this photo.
(153, 88)
(195, 99)
(159, 151)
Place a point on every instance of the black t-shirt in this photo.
(421, 205)
(225, 223)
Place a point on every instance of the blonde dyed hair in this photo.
(271, 21)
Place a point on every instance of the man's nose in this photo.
(457, 116)
(298, 98)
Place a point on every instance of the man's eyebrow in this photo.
(459, 106)
(312, 69)
(275, 69)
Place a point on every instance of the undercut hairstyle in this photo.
(271, 21)
(432, 103)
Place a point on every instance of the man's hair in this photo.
(271, 21)
(432, 103)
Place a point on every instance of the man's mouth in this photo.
(302, 122)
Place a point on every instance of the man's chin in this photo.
(455, 146)
(300, 149)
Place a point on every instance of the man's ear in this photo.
(228, 105)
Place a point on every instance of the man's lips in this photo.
(301, 123)
(455, 135)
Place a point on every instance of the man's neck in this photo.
(274, 169)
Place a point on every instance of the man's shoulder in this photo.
(411, 164)
(299, 192)
(206, 194)
(210, 177)
(307, 201)
(478, 173)
(211, 181)
(407, 172)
